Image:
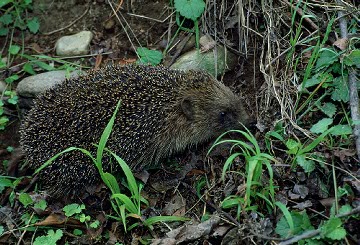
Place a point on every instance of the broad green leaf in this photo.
(95, 224)
(13, 100)
(191, 9)
(3, 121)
(292, 146)
(77, 232)
(301, 223)
(72, 209)
(33, 25)
(314, 80)
(11, 78)
(29, 68)
(341, 91)
(50, 239)
(353, 58)
(341, 130)
(318, 78)
(14, 49)
(83, 218)
(6, 19)
(333, 229)
(25, 199)
(329, 109)
(321, 126)
(4, 31)
(147, 56)
(1, 230)
(4, 182)
(326, 58)
(4, 2)
(345, 209)
(307, 165)
(42, 205)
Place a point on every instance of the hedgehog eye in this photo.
(222, 116)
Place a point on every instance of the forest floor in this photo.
(299, 177)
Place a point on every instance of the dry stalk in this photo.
(354, 97)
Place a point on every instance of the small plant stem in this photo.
(310, 96)
(301, 13)
(335, 186)
(173, 38)
(10, 43)
(179, 49)
(308, 109)
(197, 35)
(354, 97)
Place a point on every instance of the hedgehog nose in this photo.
(252, 124)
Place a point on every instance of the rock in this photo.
(36, 84)
(197, 60)
(77, 44)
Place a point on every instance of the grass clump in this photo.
(256, 162)
(124, 206)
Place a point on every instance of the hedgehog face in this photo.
(224, 117)
(214, 113)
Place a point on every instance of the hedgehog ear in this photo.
(188, 108)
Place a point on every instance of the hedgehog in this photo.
(162, 112)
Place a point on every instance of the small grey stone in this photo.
(36, 84)
(77, 44)
(196, 60)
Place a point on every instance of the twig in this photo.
(149, 18)
(354, 97)
(52, 32)
(180, 49)
(354, 106)
(300, 12)
(309, 234)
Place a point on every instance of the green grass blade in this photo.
(156, 219)
(134, 189)
(313, 144)
(287, 215)
(228, 164)
(249, 178)
(265, 199)
(105, 135)
(111, 182)
(129, 205)
(123, 216)
(48, 162)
